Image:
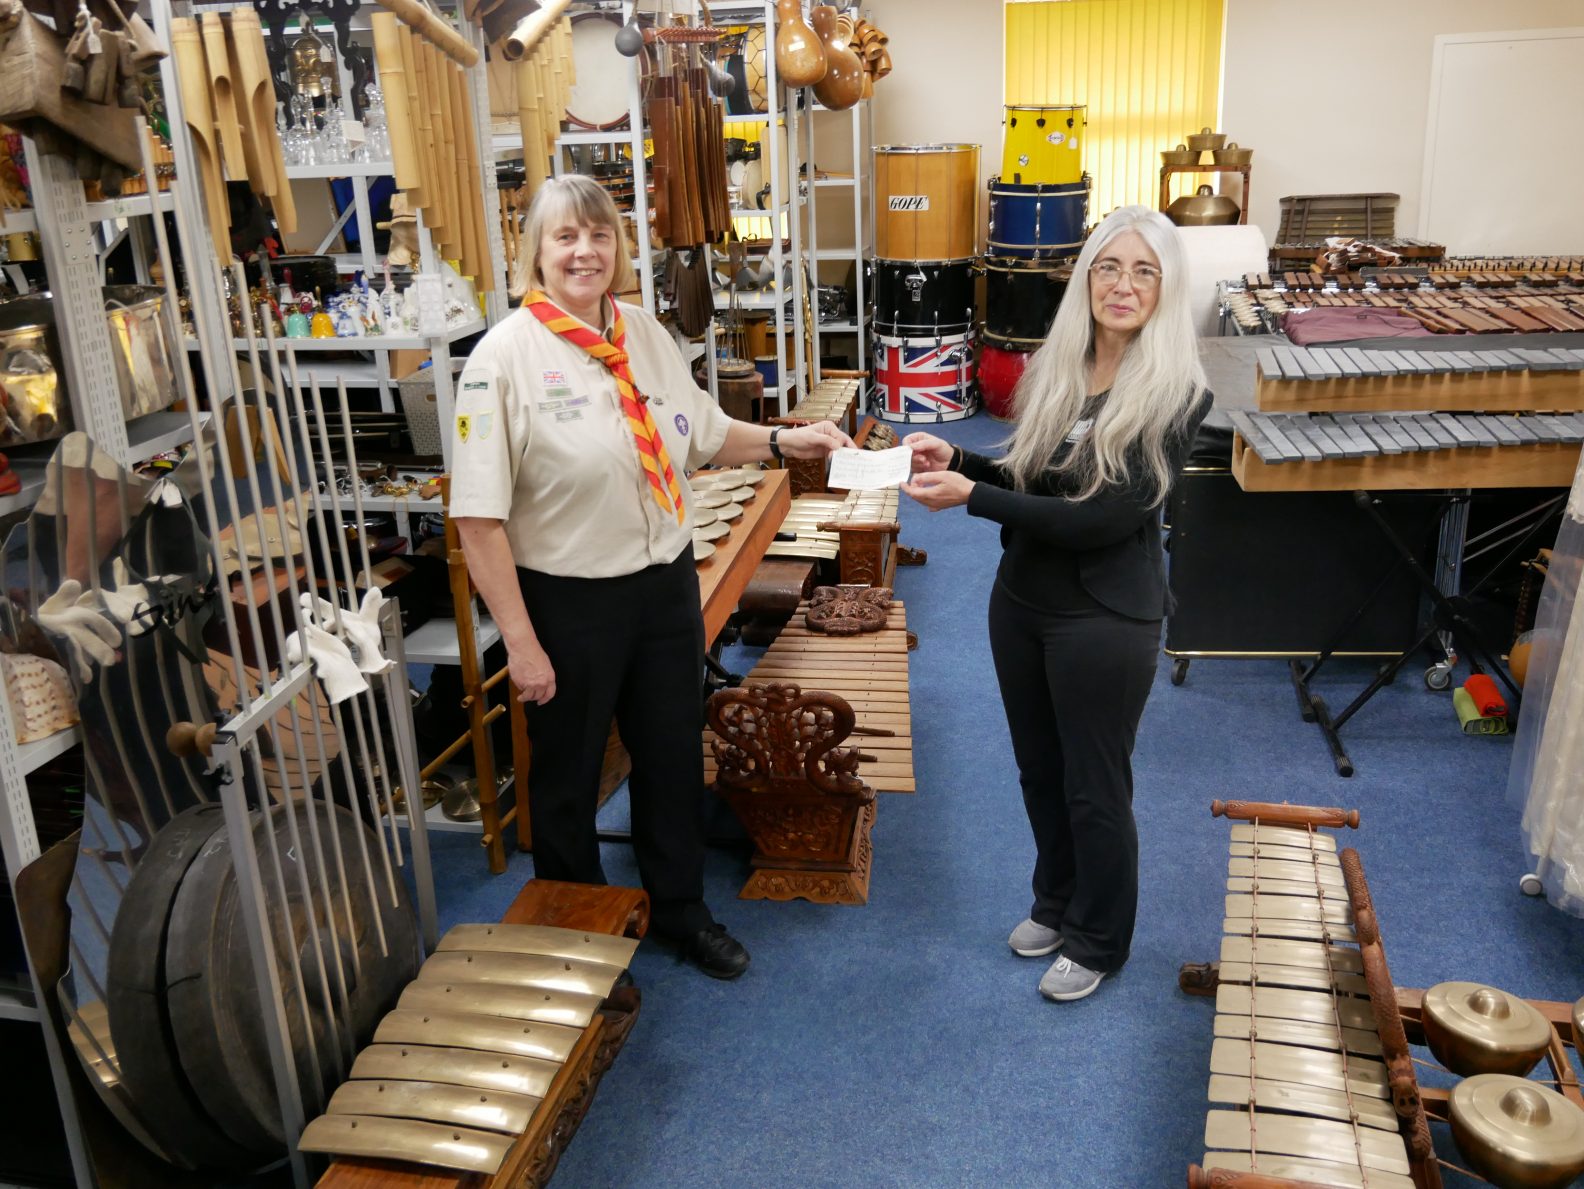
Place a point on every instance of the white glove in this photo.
(360, 630)
(129, 602)
(332, 662)
(75, 614)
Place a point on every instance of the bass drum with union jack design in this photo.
(926, 380)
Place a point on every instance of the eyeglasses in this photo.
(1108, 272)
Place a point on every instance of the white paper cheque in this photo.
(861, 469)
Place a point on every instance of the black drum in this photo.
(914, 298)
(1021, 299)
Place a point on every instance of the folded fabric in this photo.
(1473, 722)
(1487, 696)
(77, 615)
(1344, 324)
(331, 660)
(359, 630)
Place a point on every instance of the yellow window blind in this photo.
(1148, 71)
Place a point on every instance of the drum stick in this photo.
(396, 81)
(522, 40)
(434, 30)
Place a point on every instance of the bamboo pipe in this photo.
(433, 205)
(467, 216)
(560, 88)
(522, 40)
(445, 150)
(475, 185)
(395, 81)
(258, 97)
(193, 76)
(436, 32)
(534, 172)
(218, 58)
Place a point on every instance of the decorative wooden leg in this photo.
(1199, 978)
(906, 555)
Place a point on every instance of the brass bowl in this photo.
(1232, 155)
(1516, 1132)
(1473, 1029)
(1181, 155)
(1207, 141)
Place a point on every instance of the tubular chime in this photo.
(228, 101)
(434, 137)
(541, 47)
(690, 201)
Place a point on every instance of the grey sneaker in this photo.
(1034, 940)
(1066, 980)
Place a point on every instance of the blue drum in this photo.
(1044, 222)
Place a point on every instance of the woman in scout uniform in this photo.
(576, 419)
(1107, 410)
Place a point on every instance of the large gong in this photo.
(183, 1002)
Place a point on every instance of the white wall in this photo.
(1333, 97)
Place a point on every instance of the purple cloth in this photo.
(1339, 324)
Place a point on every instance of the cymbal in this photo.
(1517, 1132)
(1475, 1029)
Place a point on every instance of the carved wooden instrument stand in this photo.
(797, 793)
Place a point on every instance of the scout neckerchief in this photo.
(635, 406)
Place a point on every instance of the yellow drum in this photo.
(926, 201)
(1043, 145)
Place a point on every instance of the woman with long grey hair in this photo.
(1107, 410)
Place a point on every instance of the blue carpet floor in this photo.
(902, 1043)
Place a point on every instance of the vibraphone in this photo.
(1311, 1076)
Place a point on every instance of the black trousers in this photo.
(1074, 688)
(629, 649)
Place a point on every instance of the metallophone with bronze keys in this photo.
(1312, 1080)
(1436, 414)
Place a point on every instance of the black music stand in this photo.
(1448, 614)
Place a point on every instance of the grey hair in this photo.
(1158, 383)
(580, 201)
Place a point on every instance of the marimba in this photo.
(1311, 1077)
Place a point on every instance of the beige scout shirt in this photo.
(541, 443)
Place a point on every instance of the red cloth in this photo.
(1341, 324)
(1486, 695)
(9, 483)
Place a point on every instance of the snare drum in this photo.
(1043, 145)
(923, 297)
(598, 99)
(1000, 368)
(1021, 300)
(926, 201)
(1038, 222)
(925, 379)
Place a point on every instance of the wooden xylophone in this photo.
(1311, 1078)
(832, 400)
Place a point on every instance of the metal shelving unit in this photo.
(826, 193)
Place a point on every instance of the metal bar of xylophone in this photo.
(1311, 1078)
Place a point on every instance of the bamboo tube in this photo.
(434, 31)
(522, 40)
(467, 237)
(433, 205)
(218, 59)
(473, 173)
(395, 81)
(445, 149)
(532, 133)
(560, 88)
(193, 76)
(257, 101)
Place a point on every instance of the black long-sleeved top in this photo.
(1061, 555)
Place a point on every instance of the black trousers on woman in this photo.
(1074, 686)
(628, 649)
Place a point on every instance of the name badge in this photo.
(1080, 429)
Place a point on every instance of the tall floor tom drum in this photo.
(927, 201)
(1043, 145)
(1001, 366)
(923, 297)
(925, 380)
(1021, 297)
(1038, 222)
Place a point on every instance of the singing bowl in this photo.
(1473, 1029)
(1517, 1133)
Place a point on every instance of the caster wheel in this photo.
(1530, 885)
(1438, 677)
(1179, 672)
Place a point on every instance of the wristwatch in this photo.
(775, 448)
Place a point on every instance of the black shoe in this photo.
(716, 952)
